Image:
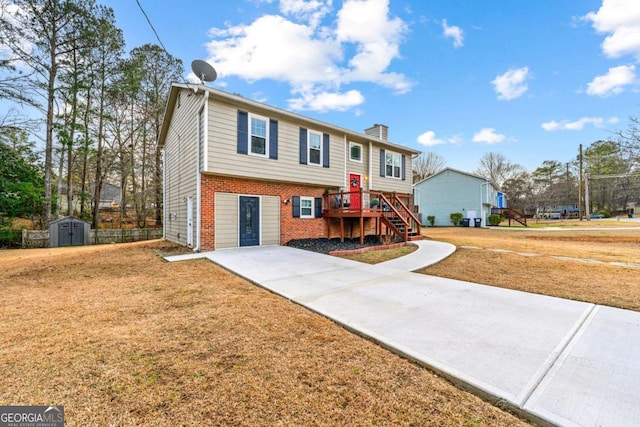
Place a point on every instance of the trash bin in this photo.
(465, 222)
(477, 222)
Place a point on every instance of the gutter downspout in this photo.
(344, 161)
(164, 196)
(201, 135)
(370, 166)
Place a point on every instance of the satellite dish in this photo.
(204, 71)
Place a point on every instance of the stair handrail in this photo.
(408, 211)
(393, 209)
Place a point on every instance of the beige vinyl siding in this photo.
(181, 167)
(389, 183)
(226, 220)
(224, 159)
(270, 220)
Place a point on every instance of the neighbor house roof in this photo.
(460, 172)
(239, 99)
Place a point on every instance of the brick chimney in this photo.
(378, 131)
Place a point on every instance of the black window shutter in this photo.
(295, 203)
(243, 132)
(303, 146)
(383, 164)
(273, 139)
(325, 150)
(318, 206)
(404, 174)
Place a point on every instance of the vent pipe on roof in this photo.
(378, 131)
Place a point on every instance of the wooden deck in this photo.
(390, 211)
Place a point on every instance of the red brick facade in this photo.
(290, 227)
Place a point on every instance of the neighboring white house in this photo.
(450, 191)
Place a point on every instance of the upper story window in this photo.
(259, 135)
(315, 148)
(393, 164)
(355, 152)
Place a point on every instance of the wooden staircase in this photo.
(398, 226)
(399, 219)
(510, 214)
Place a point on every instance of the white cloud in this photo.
(429, 139)
(613, 82)
(366, 24)
(256, 52)
(315, 60)
(454, 33)
(577, 124)
(326, 101)
(511, 84)
(311, 11)
(620, 19)
(488, 136)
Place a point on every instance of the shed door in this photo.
(70, 234)
(249, 221)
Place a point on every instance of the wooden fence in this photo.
(40, 238)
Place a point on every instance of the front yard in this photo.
(121, 337)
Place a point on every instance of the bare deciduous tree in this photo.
(426, 165)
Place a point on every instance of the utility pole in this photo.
(580, 186)
(586, 198)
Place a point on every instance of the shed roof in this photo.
(68, 219)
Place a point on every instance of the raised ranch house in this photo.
(242, 173)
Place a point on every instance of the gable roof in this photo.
(242, 101)
(493, 184)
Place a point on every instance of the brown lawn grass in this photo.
(378, 256)
(120, 337)
(607, 284)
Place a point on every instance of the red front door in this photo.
(354, 189)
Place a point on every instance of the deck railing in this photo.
(393, 208)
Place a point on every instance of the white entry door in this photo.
(190, 221)
(471, 214)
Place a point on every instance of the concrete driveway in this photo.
(556, 361)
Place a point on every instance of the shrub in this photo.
(456, 218)
(431, 219)
(495, 219)
(9, 238)
(604, 213)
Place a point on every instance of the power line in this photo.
(151, 25)
(157, 35)
(624, 175)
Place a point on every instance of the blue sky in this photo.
(530, 79)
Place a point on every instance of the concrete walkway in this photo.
(556, 361)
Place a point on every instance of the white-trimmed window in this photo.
(315, 148)
(355, 152)
(306, 207)
(258, 135)
(393, 164)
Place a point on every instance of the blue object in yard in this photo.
(477, 222)
(465, 222)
